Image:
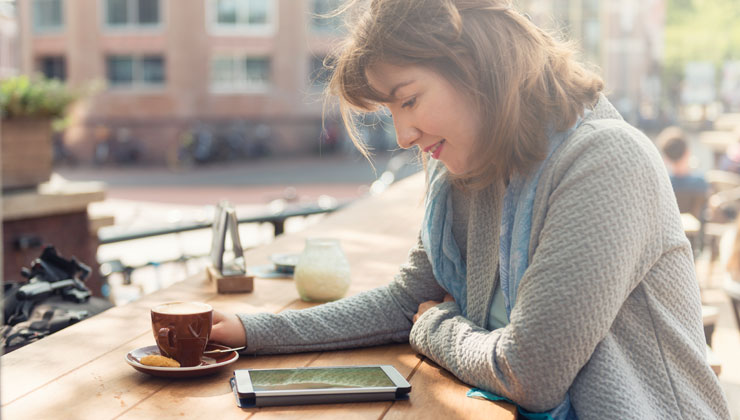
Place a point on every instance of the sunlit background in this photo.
(178, 104)
(156, 73)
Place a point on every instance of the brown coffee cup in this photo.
(181, 330)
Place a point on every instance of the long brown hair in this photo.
(520, 77)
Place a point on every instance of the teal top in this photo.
(497, 315)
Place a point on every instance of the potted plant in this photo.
(28, 107)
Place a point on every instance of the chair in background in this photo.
(722, 180)
(709, 315)
(732, 290)
(692, 202)
(692, 205)
(722, 208)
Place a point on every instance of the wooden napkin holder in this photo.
(231, 277)
(230, 284)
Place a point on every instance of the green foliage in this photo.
(24, 97)
(701, 30)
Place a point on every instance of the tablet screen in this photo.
(319, 378)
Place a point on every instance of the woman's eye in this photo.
(409, 103)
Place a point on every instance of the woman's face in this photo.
(429, 112)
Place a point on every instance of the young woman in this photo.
(552, 268)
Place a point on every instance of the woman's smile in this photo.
(435, 149)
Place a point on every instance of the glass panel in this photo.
(239, 67)
(258, 70)
(242, 11)
(117, 12)
(56, 12)
(226, 11)
(258, 12)
(151, 70)
(148, 12)
(221, 71)
(120, 70)
(39, 8)
(47, 14)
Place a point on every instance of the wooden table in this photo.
(79, 373)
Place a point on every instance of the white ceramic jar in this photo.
(322, 273)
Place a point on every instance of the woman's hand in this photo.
(424, 306)
(228, 330)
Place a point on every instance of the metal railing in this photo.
(276, 219)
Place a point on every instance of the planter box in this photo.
(26, 152)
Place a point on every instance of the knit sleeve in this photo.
(599, 237)
(379, 316)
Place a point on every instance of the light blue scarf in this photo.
(448, 266)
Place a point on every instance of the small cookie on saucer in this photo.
(159, 361)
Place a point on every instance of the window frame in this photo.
(43, 30)
(238, 60)
(64, 66)
(137, 83)
(241, 29)
(130, 27)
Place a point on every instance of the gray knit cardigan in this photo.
(608, 310)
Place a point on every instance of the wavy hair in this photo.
(522, 79)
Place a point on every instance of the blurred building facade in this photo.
(175, 76)
(178, 75)
(623, 38)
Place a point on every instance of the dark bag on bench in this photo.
(53, 298)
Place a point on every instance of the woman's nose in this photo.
(406, 135)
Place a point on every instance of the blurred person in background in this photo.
(552, 269)
(674, 145)
(691, 189)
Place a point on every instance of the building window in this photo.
(321, 20)
(127, 71)
(48, 15)
(240, 73)
(53, 67)
(132, 13)
(242, 15)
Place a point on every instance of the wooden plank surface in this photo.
(442, 396)
(80, 373)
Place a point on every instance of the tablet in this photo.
(318, 385)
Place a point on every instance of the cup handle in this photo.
(168, 335)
